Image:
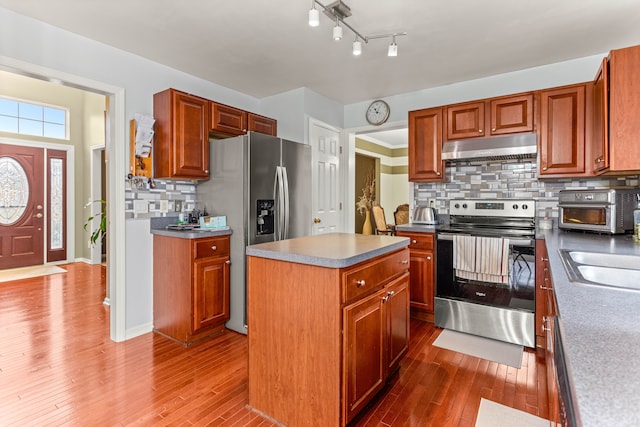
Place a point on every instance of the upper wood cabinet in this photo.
(620, 93)
(600, 119)
(495, 116)
(562, 131)
(465, 120)
(425, 145)
(261, 124)
(231, 121)
(228, 120)
(181, 141)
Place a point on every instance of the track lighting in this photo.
(338, 11)
(314, 15)
(357, 47)
(393, 48)
(337, 31)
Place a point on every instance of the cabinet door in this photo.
(228, 120)
(425, 145)
(512, 114)
(422, 280)
(210, 292)
(542, 289)
(562, 131)
(624, 109)
(397, 307)
(365, 326)
(465, 120)
(262, 124)
(181, 145)
(600, 119)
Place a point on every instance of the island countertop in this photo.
(332, 250)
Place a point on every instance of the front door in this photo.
(21, 206)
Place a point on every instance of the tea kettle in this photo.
(424, 215)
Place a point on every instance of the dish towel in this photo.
(485, 259)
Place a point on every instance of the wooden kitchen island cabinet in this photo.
(328, 323)
(190, 286)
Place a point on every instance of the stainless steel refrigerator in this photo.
(263, 185)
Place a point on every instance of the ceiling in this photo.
(265, 47)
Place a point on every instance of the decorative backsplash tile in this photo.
(507, 179)
(153, 191)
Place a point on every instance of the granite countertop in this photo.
(416, 228)
(333, 250)
(600, 331)
(158, 226)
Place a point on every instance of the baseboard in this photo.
(138, 330)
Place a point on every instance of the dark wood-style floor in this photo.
(59, 367)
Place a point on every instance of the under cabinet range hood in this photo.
(516, 146)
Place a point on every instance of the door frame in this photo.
(70, 189)
(116, 148)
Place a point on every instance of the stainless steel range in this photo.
(485, 270)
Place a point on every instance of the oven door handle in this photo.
(512, 241)
(585, 205)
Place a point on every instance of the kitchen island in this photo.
(328, 323)
(600, 331)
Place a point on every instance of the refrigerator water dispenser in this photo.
(264, 217)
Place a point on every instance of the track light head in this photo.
(393, 48)
(337, 31)
(314, 17)
(357, 47)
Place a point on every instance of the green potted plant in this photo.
(99, 233)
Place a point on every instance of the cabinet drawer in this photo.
(366, 278)
(422, 241)
(215, 246)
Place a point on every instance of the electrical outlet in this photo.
(178, 206)
(164, 206)
(140, 206)
(432, 203)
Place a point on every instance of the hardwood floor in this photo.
(59, 367)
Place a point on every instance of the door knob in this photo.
(317, 220)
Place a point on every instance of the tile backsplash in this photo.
(141, 189)
(507, 179)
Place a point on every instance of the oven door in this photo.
(586, 217)
(518, 293)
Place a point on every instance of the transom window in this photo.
(33, 119)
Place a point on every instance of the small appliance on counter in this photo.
(607, 210)
(424, 215)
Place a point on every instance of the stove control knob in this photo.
(457, 206)
(515, 207)
(525, 207)
(464, 205)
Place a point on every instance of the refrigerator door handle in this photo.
(278, 192)
(285, 193)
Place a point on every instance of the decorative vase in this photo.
(366, 227)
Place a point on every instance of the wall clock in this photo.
(378, 112)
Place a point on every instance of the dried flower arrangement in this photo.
(368, 194)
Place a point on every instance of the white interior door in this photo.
(326, 177)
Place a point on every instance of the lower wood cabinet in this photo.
(190, 287)
(323, 341)
(422, 262)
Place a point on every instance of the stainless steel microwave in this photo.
(608, 211)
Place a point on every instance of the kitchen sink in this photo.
(602, 269)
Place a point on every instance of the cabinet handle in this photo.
(546, 269)
(493, 130)
(599, 160)
(438, 173)
(544, 259)
(544, 168)
(404, 261)
(228, 262)
(545, 319)
(546, 288)
(213, 248)
(414, 242)
(428, 258)
(479, 130)
(392, 293)
(361, 283)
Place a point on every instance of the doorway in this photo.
(365, 165)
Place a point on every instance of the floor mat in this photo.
(484, 348)
(26, 272)
(492, 414)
